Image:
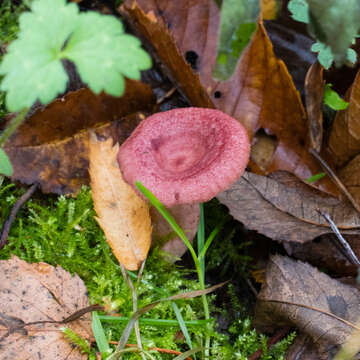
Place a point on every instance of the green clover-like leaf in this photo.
(55, 30)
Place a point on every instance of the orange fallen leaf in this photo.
(122, 214)
(40, 292)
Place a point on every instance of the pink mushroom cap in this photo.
(186, 155)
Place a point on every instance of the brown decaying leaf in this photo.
(303, 348)
(314, 94)
(260, 94)
(296, 282)
(187, 216)
(344, 142)
(283, 208)
(40, 292)
(122, 214)
(51, 147)
(350, 177)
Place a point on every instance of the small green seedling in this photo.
(333, 100)
(96, 44)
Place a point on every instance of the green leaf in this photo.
(32, 66)
(332, 99)
(299, 10)
(5, 164)
(103, 53)
(325, 55)
(237, 25)
(96, 43)
(315, 177)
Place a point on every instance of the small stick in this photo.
(166, 95)
(337, 181)
(7, 225)
(349, 253)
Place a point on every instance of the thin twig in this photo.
(351, 256)
(336, 180)
(166, 95)
(7, 225)
(314, 309)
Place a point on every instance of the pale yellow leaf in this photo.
(122, 214)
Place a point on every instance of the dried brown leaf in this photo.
(51, 147)
(260, 94)
(296, 282)
(40, 292)
(314, 93)
(350, 177)
(283, 208)
(122, 214)
(344, 142)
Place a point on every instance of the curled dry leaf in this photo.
(296, 282)
(40, 292)
(283, 208)
(51, 147)
(122, 214)
(260, 94)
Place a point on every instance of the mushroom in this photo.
(185, 156)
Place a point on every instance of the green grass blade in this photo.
(182, 324)
(99, 334)
(154, 322)
(188, 353)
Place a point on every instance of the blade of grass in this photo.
(186, 295)
(188, 353)
(99, 334)
(182, 324)
(167, 216)
(155, 322)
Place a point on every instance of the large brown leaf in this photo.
(121, 213)
(296, 282)
(51, 147)
(283, 208)
(260, 94)
(40, 292)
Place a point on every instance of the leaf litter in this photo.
(262, 96)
